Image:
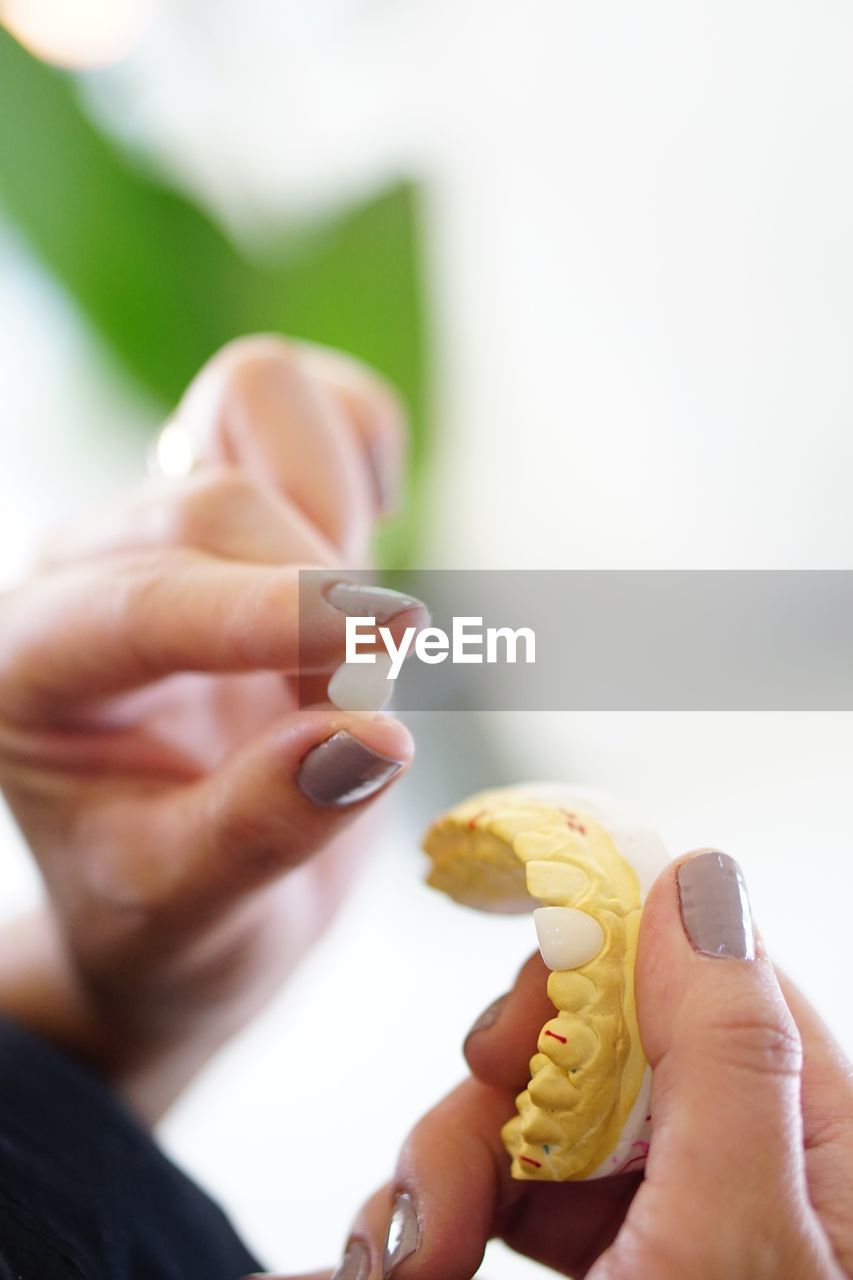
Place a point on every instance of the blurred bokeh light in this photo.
(82, 35)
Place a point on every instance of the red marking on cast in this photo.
(554, 1036)
(574, 823)
(527, 1160)
(472, 822)
(636, 1161)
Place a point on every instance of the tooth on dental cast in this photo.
(551, 1089)
(568, 938)
(568, 1042)
(555, 883)
(547, 843)
(357, 686)
(570, 991)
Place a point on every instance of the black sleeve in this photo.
(84, 1190)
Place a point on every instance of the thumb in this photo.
(286, 796)
(726, 1174)
(280, 799)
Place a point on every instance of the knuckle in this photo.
(247, 619)
(253, 364)
(758, 1036)
(239, 377)
(639, 1251)
(253, 844)
(136, 605)
(755, 1244)
(832, 1129)
(251, 346)
(136, 586)
(210, 499)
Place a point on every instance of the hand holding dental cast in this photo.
(737, 1164)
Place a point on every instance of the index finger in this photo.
(499, 1046)
(104, 627)
(452, 1192)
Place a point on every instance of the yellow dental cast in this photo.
(512, 850)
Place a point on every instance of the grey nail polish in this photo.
(403, 1234)
(487, 1018)
(356, 599)
(380, 474)
(341, 771)
(715, 906)
(355, 1264)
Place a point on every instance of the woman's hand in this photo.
(151, 747)
(750, 1173)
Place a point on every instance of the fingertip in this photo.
(499, 1045)
(721, 1042)
(697, 910)
(354, 760)
(365, 1247)
(383, 732)
(697, 957)
(285, 796)
(452, 1180)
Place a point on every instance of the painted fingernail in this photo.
(355, 1264)
(715, 907)
(359, 600)
(341, 771)
(403, 1234)
(382, 474)
(487, 1018)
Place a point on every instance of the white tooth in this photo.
(357, 686)
(568, 938)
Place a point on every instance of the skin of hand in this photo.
(750, 1172)
(189, 820)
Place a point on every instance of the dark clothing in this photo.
(85, 1193)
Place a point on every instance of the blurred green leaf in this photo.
(165, 287)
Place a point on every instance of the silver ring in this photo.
(172, 453)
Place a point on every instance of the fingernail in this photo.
(341, 771)
(355, 1264)
(715, 907)
(361, 601)
(381, 474)
(487, 1018)
(403, 1233)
